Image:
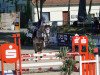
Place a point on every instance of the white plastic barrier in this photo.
(40, 56)
(43, 64)
(38, 62)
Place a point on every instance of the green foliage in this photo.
(23, 38)
(91, 43)
(26, 40)
(63, 51)
(68, 61)
(68, 66)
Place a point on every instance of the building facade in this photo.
(57, 11)
(54, 11)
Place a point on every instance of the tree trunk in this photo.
(41, 6)
(82, 15)
(37, 9)
(28, 12)
(90, 5)
(16, 6)
(68, 12)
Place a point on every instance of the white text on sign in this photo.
(11, 53)
(83, 40)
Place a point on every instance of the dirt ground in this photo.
(52, 73)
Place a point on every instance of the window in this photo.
(73, 16)
(46, 16)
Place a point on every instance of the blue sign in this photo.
(63, 39)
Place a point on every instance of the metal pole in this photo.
(80, 64)
(14, 37)
(20, 63)
(97, 64)
(2, 64)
